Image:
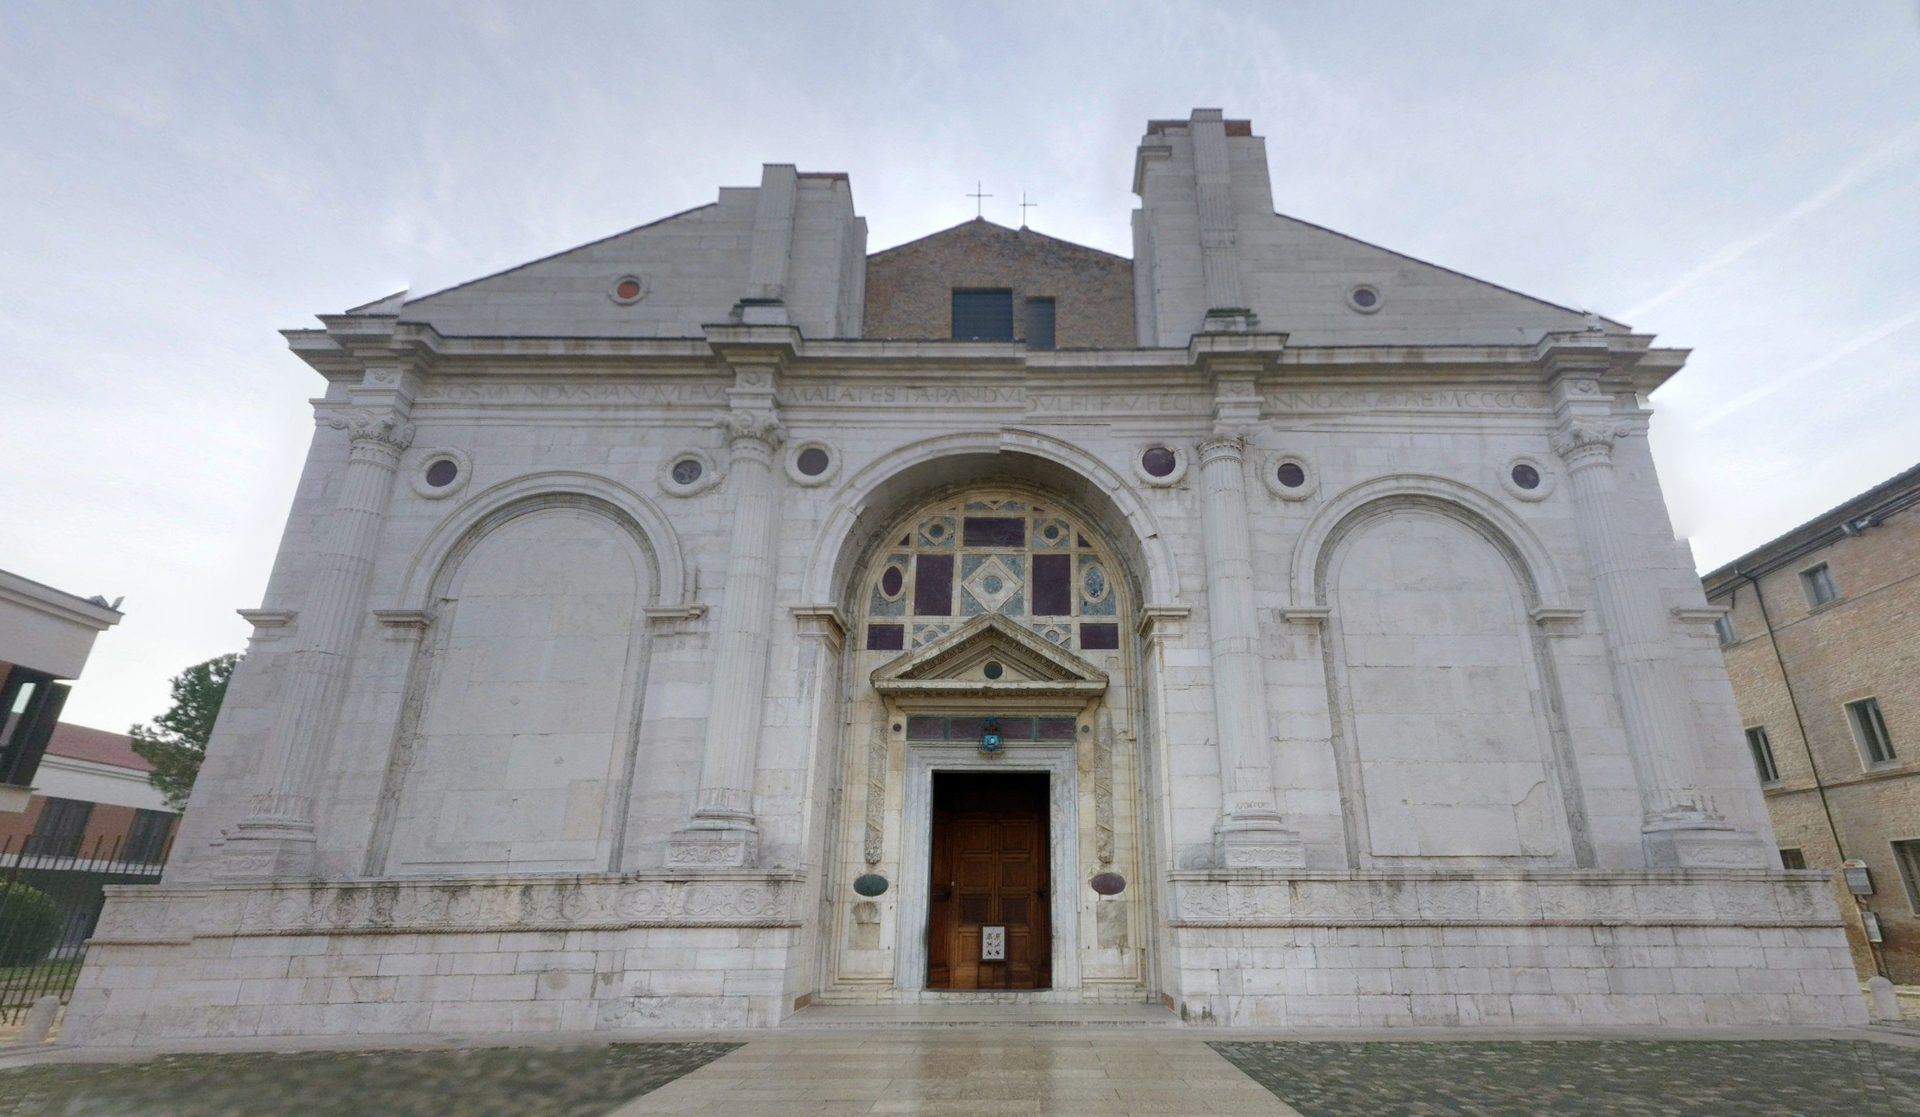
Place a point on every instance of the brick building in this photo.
(1822, 642)
(965, 281)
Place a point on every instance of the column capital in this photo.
(751, 430)
(1226, 443)
(377, 435)
(1585, 442)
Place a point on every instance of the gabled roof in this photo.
(951, 665)
(981, 228)
(77, 742)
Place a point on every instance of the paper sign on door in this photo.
(993, 944)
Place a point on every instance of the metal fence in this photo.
(34, 959)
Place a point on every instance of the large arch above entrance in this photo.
(1033, 578)
(869, 501)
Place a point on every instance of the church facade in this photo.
(716, 620)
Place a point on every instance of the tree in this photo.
(176, 741)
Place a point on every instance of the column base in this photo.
(713, 845)
(1257, 842)
(1230, 320)
(267, 849)
(1698, 840)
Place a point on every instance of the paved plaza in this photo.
(1044, 1071)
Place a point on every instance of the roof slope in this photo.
(77, 742)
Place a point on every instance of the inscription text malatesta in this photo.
(1006, 395)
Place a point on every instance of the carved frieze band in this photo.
(1103, 788)
(1613, 900)
(498, 904)
(876, 783)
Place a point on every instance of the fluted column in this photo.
(276, 839)
(1680, 827)
(1250, 833)
(722, 832)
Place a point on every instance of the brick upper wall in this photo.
(910, 287)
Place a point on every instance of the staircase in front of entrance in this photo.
(973, 1013)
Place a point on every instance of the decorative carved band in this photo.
(876, 784)
(398, 907)
(1695, 898)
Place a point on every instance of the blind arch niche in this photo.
(528, 706)
(1445, 697)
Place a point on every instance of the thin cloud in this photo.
(1879, 158)
(1848, 349)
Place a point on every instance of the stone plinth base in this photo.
(478, 955)
(717, 847)
(1518, 948)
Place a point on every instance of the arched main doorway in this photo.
(994, 759)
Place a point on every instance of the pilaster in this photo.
(1679, 827)
(1250, 833)
(722, 832)
(276, 838)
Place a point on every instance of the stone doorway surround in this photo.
(1057, 760)
(946, 677)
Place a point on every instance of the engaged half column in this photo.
(722, 833)
(276, 839)
(1250, 833)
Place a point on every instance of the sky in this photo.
(181, 181)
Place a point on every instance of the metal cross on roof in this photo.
(977, 196)
(1024, 207)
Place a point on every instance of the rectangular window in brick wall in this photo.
(1870, 731)
(1792, 859)
(1039, 323)
(1762, 754)
(1820, 586)
(1907, 855)
(982, 314)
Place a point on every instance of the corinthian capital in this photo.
(1584, 440)
(752, 425)
(374, 429)
(1223, 443)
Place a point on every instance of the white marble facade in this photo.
(563, 712)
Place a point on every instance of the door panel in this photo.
(989, 869)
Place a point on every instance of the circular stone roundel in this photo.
(872, 884)
(1160, 465)
(688, 472)
(1528, 478)
(1109, 884)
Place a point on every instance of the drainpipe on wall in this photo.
(1806, 744)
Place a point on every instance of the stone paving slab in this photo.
(978, 1073)
(1586, 1078)
(468, 1082)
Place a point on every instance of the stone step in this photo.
(984, 1016)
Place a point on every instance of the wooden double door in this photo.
(989, 871)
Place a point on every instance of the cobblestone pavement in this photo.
(1586, 1078)
(474, 1082)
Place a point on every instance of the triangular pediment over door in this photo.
(965, 662)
